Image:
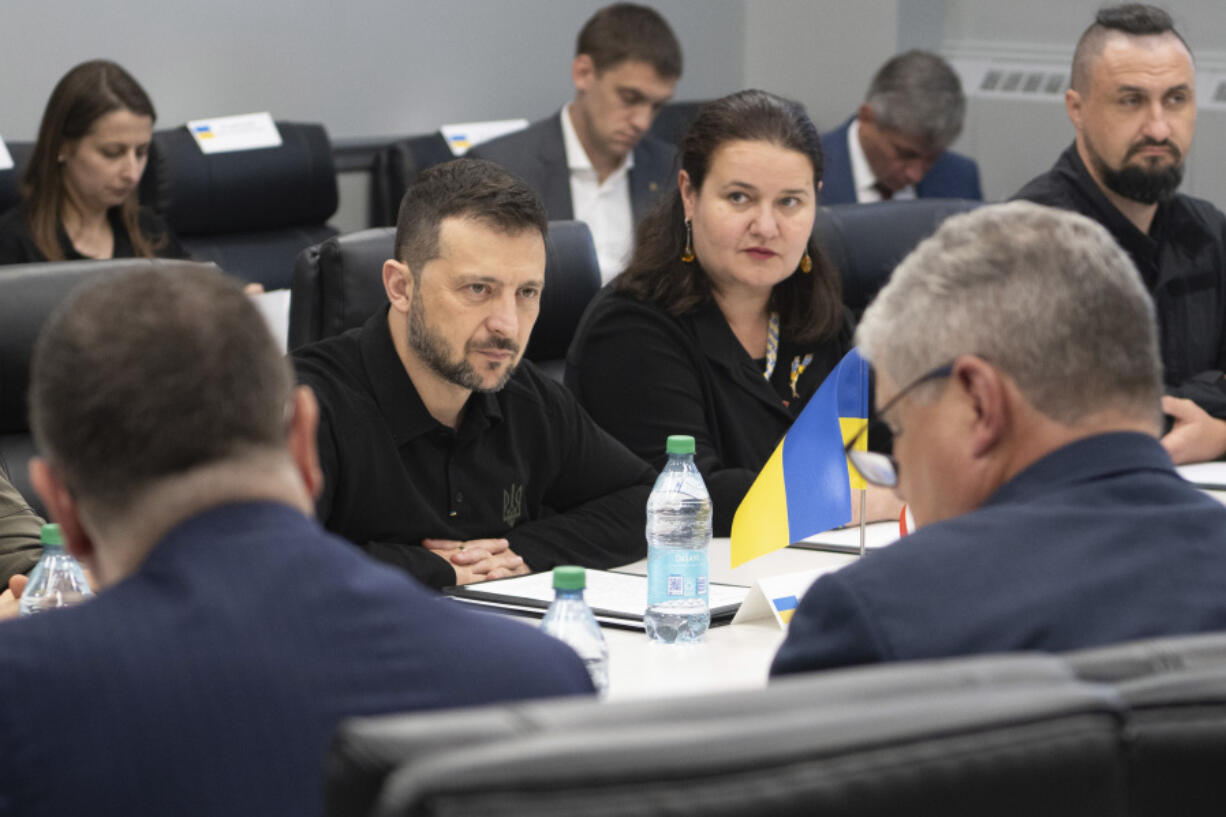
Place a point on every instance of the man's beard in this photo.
(435, 352)
(1147, 185)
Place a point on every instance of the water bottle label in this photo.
(674, 574)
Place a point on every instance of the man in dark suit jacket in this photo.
(896, 144)
(231, 634)
(594, 161)
(1025, 443)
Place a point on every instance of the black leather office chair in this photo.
(252, 211)
(866, 241)
(1175, 689)
(339, 284)
(674, 119)
(10, 180)
(396, 167)
(28, 294)
(1001, 735)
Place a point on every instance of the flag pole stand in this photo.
(862, 520)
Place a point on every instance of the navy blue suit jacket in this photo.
(537, 154)
(210, 682)
(1098, 542)
(952, 176)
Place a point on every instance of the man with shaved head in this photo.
(1132, 103)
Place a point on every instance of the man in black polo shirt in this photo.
(442, 452)
(1132, 102)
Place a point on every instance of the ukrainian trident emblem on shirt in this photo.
(512, 504)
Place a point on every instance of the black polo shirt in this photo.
(1183, 263)
(526, 463)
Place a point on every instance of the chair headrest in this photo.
(866, 241)
(243, 191)
(338, 285)
(28, 294)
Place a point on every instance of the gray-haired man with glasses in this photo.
(1017, 365)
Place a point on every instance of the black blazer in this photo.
(644, 374)
(537, 155)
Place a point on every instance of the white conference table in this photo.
(731, 656)
(738, 656)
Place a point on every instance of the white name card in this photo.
(776, 597)
(6, 160)
(226, 134)
(463, 136)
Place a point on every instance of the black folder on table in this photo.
(616, 599)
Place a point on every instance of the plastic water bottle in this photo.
(569, 619)
(57, 580)
(678, 533)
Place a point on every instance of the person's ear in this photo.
(582, 72)
(866, 115)
(64, 511)
(1072, 106)
(302, 441)
(689, 194)
(398, 284)
(986, 394)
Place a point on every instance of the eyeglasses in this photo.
(882, 469)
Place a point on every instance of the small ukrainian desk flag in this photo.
(805, 487)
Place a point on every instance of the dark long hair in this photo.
(84, 95)
(810, 305)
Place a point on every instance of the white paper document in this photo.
(6, 159)
(615, 598)
(274, 306)
(226, 134)
(847, 540)
(1207, 475)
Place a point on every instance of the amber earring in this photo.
(687, 255)
(806, 263)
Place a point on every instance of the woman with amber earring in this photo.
(79, 191)
(728, 317)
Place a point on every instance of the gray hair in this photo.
(919, 94)
(1044, 295)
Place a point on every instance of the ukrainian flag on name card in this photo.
(805, 487)
(204, 132)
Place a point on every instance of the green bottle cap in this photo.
(569, 578)
(51, 535)
(680, 444)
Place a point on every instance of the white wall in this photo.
(394, 67)
(1016, 140)
(820, 52)
(362, 67)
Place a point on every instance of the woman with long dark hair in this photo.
(79, 192)
(728, 317)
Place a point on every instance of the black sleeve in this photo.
(638, 382)
(598, 497)
(1207, 389)
(829, 629)
(425, 566)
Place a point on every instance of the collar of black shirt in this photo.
(402, 408)
(1125, 232)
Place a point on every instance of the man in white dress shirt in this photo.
(895, 147)
(593, 161)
